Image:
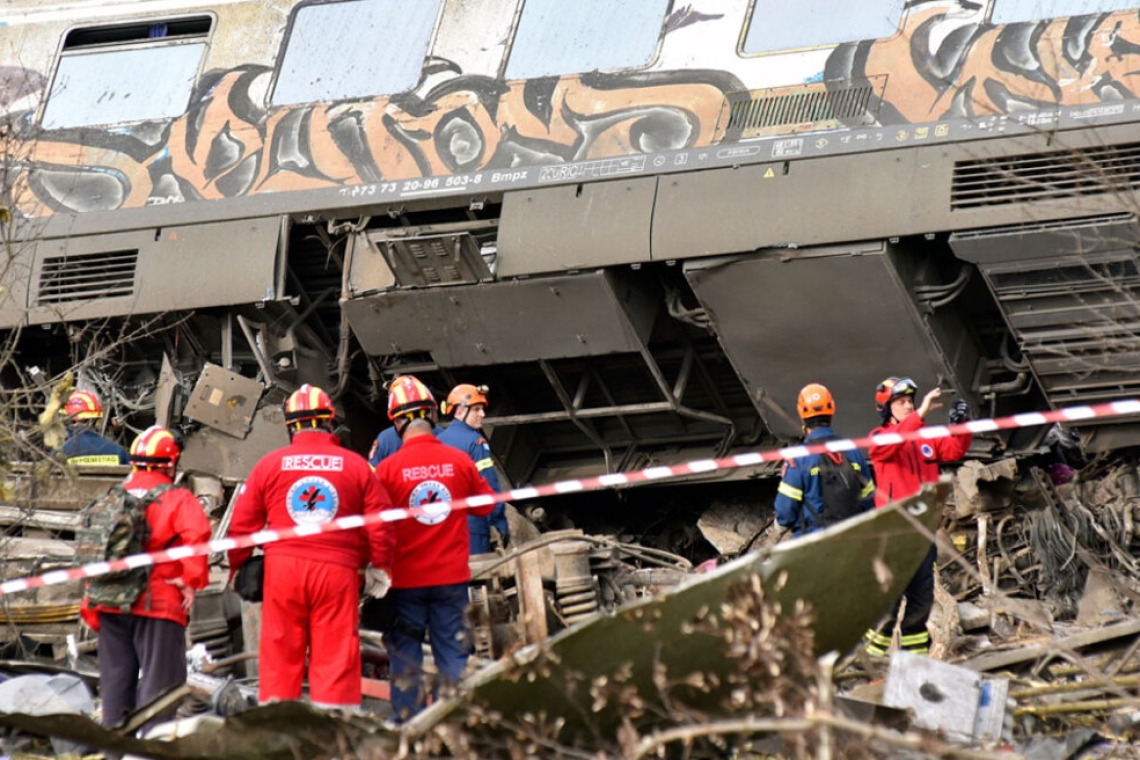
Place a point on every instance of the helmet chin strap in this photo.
(401, 423)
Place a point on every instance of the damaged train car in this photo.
(644, 225)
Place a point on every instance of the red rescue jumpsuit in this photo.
(900, 470)
(312, 585)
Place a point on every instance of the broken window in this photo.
(1012, 11)
(126, 73)
(556, 37)
(358, 49)
(780, 25)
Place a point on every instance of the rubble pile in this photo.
(1039, 583)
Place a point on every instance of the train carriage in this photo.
(645, 225)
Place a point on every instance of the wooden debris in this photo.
(1025, 653)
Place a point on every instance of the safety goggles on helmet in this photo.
(890, 389)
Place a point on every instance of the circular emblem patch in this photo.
(434, 499)
(312, 501)
(927, 450)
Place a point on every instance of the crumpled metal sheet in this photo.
(851, 574)
(282, 731)
(42, 694)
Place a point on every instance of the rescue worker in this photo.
(84, 446)
(142, 653)
(430, 571)
(901, 470)
(388, 442)
(810, 497)
(467, 406)
(310, 600)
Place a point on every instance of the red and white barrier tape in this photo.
(1031, 419)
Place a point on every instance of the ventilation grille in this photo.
(1076, 320)
(1069, 278)
(452, 259)
(1045, 176)
(814, 106)
(65, 279)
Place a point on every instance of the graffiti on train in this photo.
(228, 146)
(944, 66)
(945, 63)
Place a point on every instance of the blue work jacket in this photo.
(467, 439)
(86, 448)
(800, 483)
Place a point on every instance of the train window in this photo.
(357, 49)
(781, 25)
(559, 37)
(182, 28)
(1012, 11)
(126, 73)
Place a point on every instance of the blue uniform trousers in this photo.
(438, 611)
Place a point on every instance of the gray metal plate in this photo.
(229, 458)
(14, 281)
(576, 227)
(523, 320)
(840, 320)
(176, 268)
(224, 400)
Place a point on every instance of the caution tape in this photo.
(651, 474)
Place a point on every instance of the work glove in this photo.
(959, 412)
(376, 582)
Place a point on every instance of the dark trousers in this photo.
(139, 659)
(919, 596)
(479, 531)
(437, 610)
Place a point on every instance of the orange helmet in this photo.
(83, 405)
(308, 403)
(464, 395)
(156, 447)
(890, 389)
(815, 401)
(408, 397)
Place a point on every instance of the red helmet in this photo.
(408, 397)
(156, 447)
(308, 403)
(464, 395)
(83, 405)
(815, 401)
(890, 389)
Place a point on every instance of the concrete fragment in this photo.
(971, 617)
(966, 705)
(982, 487)
(1100, 603)
(730, 527)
